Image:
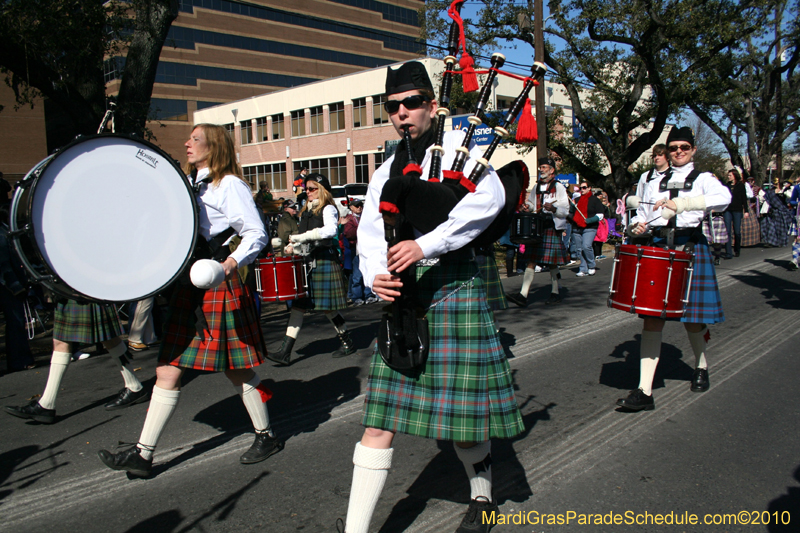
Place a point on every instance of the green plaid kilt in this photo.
(491, 281)
(85, 323)
(327, 286)
(465, 393)
(550, 251)
(233, 338)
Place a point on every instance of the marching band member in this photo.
(680, 201)
(216, 329)
(464, 392)
(319, 225)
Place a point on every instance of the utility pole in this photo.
(538, 46)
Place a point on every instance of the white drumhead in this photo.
(113, 218)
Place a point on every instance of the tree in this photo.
(614, 60)
(57, 48)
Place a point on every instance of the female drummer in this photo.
(679, 207)
(216, 329)
(319, 224)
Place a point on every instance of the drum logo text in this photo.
(147, 158)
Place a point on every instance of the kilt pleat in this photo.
(550, 251)
(327, 286)
(705, 304)
(233, 339)
(465, 393)
(491, 281)
(85, 323)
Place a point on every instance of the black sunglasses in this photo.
(410, 103)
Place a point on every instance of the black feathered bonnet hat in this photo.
(681, 134)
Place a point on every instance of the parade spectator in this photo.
(585, 216)
(735, 212)
(602, 228)
(356, 290)
(287, 225)
(775, 224)
(142, 328)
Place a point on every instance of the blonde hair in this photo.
(323, 195)
(221, 154)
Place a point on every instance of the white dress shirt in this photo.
(230, 204)
(560, 199)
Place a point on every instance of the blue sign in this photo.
(483, 134)
(567, 179)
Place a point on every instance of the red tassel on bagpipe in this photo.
(469, 80)
(527, 128)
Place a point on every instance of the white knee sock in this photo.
(698, 341)
(649, 353)
(527, 280)
(131, 381)
(337, 320)
(295, 323)
(478, 464)
(370, 470)
(58, 367)
(256, 407)
(554, 279)
(162, 405)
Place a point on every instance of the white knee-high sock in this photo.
(337, 320)
(649, 354)
(478, 464)
(131, 381)
(162, 405)
(295, 323)
(527, 280)
(698, 342)
(255, 405)
(554, 279)
(58, 367)
(370, 470)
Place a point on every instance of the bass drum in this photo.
(108, 218)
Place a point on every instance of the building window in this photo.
(359, 112)
(362, 168)
(230, 129)
(298, 123)
(167, 109)
(247, 131)
(333, 168)
(316, 120)
(274, 175)
(277, 127)
(336, 114)
(380, 157)
(261, 129)
(379, 114)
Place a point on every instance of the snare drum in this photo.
(650, 281)
(279, 279)
(107, 218)
(527, 228)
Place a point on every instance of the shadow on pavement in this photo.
(785, 508)
(624, 375)
(777, 292)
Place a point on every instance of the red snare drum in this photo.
(650, 281)
(281, 278)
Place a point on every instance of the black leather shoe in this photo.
(32, 411)
(284, 355)
(346, 348)
(127, 398)
(129, 460)
(716, 261)
(263, 447)
(700, 381)
(637, 400)
(518, 299)
(554, 299)
(473, 520)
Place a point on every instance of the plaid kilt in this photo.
(233, 339)
(793, 226)
(751, 230)
(327, 286)
(705, 304)
(495, 295)
(715, 232)
(465, 393)
(551, 250)
(85, 323)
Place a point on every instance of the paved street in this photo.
(731, 449)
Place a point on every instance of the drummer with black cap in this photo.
(679, 201)
(550, 199)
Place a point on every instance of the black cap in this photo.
(291, 204)
(356, 201)
(681, 134)
(319, 178)
(409, 76)
(546, 161)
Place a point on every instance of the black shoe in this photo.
(793, 266)
(263, 447)
(129, 460)
(518, 299)
(283, 356)
(473, 520)
(32, 411)
(700, 381)
(127, 398)
(637, 400)
(554, 299)
(716, 261)
(736, 254)
(346, 348)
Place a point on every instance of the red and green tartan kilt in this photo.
(715, 232)
(327, 286)
(85, 323)
(465, 393)
(491, 281)
(233, 339)
(550, 251)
